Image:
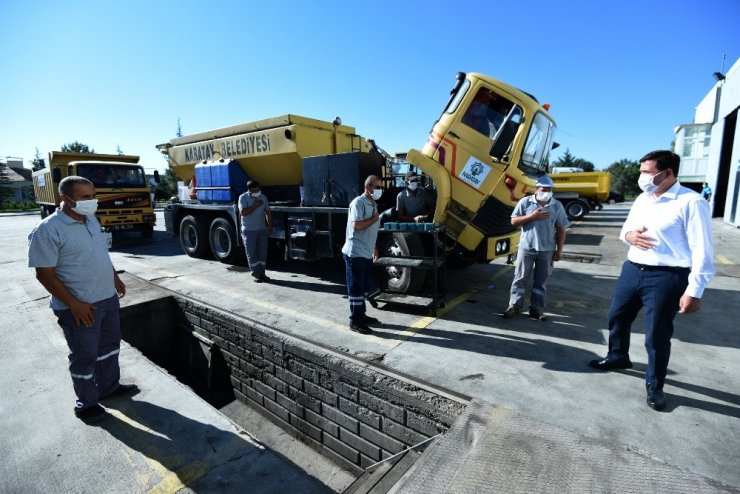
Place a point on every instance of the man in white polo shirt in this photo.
(70, 255)
(669, 231)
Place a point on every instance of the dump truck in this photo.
(482, 156)
(124, 198)
(579, 191)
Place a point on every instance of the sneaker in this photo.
(371, 320)
(512, 311)
(361, 328)
(537, 314)
(123, 390)
(91, 415)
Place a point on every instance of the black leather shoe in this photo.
(607, 364)
(655, 399)
(361, 328)
(371, 320)
(91, 415)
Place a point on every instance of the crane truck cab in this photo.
(484, 153)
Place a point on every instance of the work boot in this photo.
(123, 390)
(655, 398)
(512, 311)
(537, 314)
(361, 328)
(91, 415)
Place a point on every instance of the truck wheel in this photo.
(223, 240)
(401, 279)
(576, 209)
(194, 237)
(147, 231)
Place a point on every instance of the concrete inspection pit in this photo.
(354, 412)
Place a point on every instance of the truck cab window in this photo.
(487, 112)
(536, 153)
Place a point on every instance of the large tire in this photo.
(576, 209)
(400, 279)
(194, 237)
(223, 240)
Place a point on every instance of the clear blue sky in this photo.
(619, 75)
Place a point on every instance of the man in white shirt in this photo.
(669, 264)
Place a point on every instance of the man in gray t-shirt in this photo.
(359, 251)
(544, 224)
(414, 205)
(256, 220)
(70, 256)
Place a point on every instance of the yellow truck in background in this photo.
(124, 198)
(484, 153)
(580, 191)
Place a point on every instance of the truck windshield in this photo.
(113, 175)
(536, 153)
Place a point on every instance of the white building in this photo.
(710, 146)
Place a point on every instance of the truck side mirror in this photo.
(156, 176)
(503, 140)
(56, 175)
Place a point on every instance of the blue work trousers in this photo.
(255, 245)
(659, 291)
(531, 263)
(359, 275)
(93, 351)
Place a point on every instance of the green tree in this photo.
(624, 177)
(179, 128)
(38, 162)
(76, 147)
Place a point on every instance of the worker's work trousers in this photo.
(359, 273)
(93, 351)
(659, 290)
(255, 244)
(528, 263)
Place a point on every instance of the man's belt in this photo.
(648, 267)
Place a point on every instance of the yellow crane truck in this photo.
(124, 198)
(483, 154)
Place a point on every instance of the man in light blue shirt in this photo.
(359, 251)
(256, 220)
(70, 255)
(669, 264)
(544, 225)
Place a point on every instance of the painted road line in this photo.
(723, 259)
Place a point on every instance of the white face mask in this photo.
(86, 207)
(377, 193)
(413, 185)
(256, 194)
(647, 182)
(543, 196)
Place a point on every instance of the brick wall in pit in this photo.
(351, 410)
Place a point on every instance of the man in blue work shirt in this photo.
(70, 255)
(544, 225)
(359, 252)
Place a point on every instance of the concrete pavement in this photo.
(538, 370)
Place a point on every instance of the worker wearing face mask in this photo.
(544, 224)
(70, 255)
(359, 252)
(669, 264)
(256, 217)
(414, 204)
